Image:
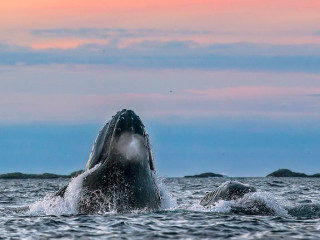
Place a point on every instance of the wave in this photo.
(256, 203)
(306, 211)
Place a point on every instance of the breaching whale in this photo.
(124, 175)
(230, 190)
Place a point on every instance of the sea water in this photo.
(28, 211)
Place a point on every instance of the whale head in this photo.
(125, 176)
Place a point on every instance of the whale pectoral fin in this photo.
(151, 164)
(209, 198)
(61, 192)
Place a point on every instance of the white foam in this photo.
(56, 205)
(220, 207)
(264, 198)
(167, 200)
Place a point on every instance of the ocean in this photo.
(28, 212)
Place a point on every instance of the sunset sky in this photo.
(227, 86)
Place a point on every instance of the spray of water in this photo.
(262, 199)
(56, 205)
(168, 202)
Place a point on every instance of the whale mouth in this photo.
(128, 122)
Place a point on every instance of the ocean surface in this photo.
(27, 211)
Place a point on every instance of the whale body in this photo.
(230, 190)
(123, 176)
(242, 204)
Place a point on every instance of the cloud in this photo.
(314, 95)
(175, 54)
(103, 33)
(278, 102)
(12, 48)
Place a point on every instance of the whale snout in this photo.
(129, 122)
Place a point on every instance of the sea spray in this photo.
(167, 199)
(263, 199)
(56, 205)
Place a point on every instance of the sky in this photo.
(230, 86)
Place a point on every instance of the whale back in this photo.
(229, 190)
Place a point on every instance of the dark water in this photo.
(26, 213)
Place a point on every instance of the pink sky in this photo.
(63, 90)
(285, 22)
(275, 102)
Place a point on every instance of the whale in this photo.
(229, 190)
(243, 203)
(122, 176)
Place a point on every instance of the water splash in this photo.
(262, 201)
(220, 207)
(167, 199)
(56, 205)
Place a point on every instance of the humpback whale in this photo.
(233, 190)
(123, 172)
(230, 190)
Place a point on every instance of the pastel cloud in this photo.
(175, 54)
(241, 101)
(105, 33)
(273, 22)
(249, 14)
